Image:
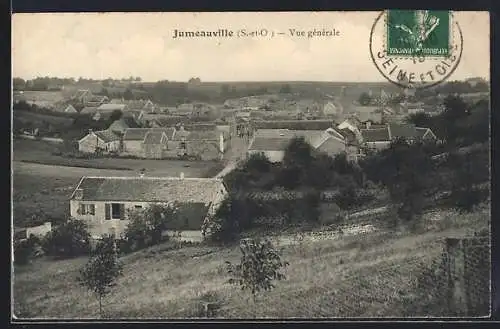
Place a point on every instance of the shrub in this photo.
(146, 226)
(69, 239)
(26, 250)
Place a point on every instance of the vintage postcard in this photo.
(251, 165)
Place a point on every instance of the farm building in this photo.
(272, 147)
(273, 142)
(105, 141)
(380, 138)
(97, 100)
(142, 105)
(148, 142)
(104, 202)
(294, 124)
(65, 108)
(203, 144)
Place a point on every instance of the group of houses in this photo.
(205, 142)
(352, 136)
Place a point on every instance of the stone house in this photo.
(100, 141)
(104, 203)
(381, 138)
(203, 144)
(273, 142)
(148, 142)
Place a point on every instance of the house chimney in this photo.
(368, 124)
(78, 194)
(182, 176)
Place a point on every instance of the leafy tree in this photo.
(104, 92)
(18, 84)
(223, 226)
(298, 153)
(103, 268)
(146, 226)
(115, 115)
(469, 171)
(420, 119)
(285, 89)
(364, 99)
(69, 239)
(128, 95)
(260, 265)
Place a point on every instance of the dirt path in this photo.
(236, 152)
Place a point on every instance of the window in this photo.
(138, 206)
(116, 211)
(87, 209)
(183, 145)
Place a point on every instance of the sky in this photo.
(119, 45)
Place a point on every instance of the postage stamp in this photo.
(418, 32)
(416, 48)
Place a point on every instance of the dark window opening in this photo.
(138, 207)
(116, 211)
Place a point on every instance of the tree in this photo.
(18, 84)
(102, 269)
(128, 95)
(104, 92)
(69, 239)
(116, 115)
(146, 226)
(364, 99)
(259, 266)
(420, 119)
(285, 89)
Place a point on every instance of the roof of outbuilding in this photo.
(149, 189)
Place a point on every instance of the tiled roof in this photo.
(402, 130)
(138, 134)
(295, 124)
(166, 121)
(375, 135)
(200, 126)
(111, 107)
(421, 132)
(154, 137)
(88, 110)
(135, 134)
(269, 144)
(150, 189)
(212, 135)
(107, 136)
(374, 117)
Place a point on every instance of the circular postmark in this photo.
(416, 49)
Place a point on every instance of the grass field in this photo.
(369, 274)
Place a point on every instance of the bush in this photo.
(26, 250)
(146, 226)
(69, 239)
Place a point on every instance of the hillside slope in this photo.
(370, 274)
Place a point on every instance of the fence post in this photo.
(456, 276)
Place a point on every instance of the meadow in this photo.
(369, 274)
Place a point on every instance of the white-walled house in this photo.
(104, 140)
(104, 202)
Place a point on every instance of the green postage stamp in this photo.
(418, 33)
